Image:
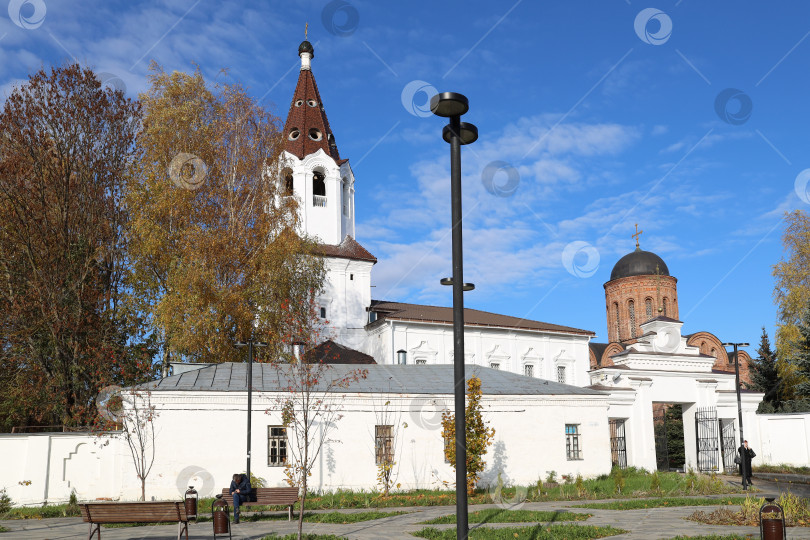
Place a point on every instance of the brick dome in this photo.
(639, 263)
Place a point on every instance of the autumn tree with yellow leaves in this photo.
(216, 256)
(478, 437)
(792, 296)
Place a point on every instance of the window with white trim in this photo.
(573, 450)
(528, 370)
(276, 446)
(420, 361)
(561, 374)
(495, 365)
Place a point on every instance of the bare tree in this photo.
(138, 420)
(387, 438)
(310, 409)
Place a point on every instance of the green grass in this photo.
(41, 512)
(635, 504)
(496, 515)
(637, 483)
(538, 532)
(781, 469)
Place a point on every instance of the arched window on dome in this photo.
(631, 310)
(618, 324)
(665, 307)
(648, 310)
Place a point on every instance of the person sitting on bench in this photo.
(240, 491)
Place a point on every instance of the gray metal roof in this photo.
(411, 379)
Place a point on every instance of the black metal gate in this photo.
(708, 452)
(728, 444)
(661, 449)
(618, 443)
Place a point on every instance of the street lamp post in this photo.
(249, 344)
(743, 471)
(457, 133)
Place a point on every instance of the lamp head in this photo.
(449, 104)
(468, 133)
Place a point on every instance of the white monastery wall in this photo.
(46, 467)
(782, 439)
(202, 435)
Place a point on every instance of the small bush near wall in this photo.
(5, 501)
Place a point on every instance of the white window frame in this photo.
(279, 442)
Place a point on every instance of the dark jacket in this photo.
(746, 455)
(243, 486)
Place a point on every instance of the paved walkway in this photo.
(652, 523)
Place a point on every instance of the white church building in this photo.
(557, 400)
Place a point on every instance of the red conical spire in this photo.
(307, 128)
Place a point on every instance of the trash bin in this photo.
(772, 522)
(221, 519)
(191, 503)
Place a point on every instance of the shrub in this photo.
(5, 501)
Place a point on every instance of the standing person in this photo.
(746, 455)
(240, 491)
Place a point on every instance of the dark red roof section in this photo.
(304, 117)
(330, 352)
(348, 249)
(472, 317)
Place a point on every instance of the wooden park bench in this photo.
(99, 513)
(274, 496)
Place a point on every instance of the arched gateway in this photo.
(660, 380)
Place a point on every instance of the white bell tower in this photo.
(323, 183)
(311, 165)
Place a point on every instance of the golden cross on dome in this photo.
(638, 233)
(306, 31)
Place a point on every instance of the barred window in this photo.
(618, 324)
(421, 361)
(276, 446)
(528, 370)
(573, 450)
(631, 308)
(383, 444)
(561, 374)
(648, 308)
(665, 307)
(495, 365)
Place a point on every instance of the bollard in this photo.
(772, 527)
(222, 523)
(191, 503)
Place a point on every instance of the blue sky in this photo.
(689, 118)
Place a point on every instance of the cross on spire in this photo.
(306, 30)
(638, 233)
